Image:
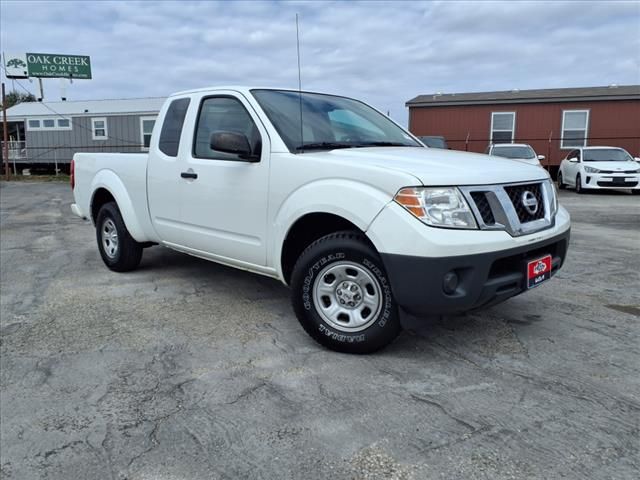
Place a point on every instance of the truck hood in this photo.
(436, 166)
(612, 166)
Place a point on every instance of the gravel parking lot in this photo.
(185, 369)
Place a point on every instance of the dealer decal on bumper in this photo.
(538, 271)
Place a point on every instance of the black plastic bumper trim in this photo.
(485, 279)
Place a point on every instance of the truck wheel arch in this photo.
(307, 229)
(100, 197)
(307, 208)
(107, 187)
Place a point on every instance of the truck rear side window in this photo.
(172, 127)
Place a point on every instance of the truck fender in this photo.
(359, 203)
(108, 180)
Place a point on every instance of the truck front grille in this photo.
(480, 198)
(516, 193)
(512, 208)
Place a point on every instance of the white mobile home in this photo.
(45, 134)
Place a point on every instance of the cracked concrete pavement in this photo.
(185, 369)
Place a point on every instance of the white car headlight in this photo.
(591, 170)
(437, 206)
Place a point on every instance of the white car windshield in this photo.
(606, 155)
(514, 152)
(328, 122)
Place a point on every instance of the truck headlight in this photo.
(437, 206)
(551, 185)
(591, 170)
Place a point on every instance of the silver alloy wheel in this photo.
(109, 235)
(347, 296)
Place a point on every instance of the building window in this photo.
(99, 128)
(146, 128)
(49, 124)
(575, 125)
(502, 127)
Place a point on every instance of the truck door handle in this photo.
(189, 175)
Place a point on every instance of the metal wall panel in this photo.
(48, 146)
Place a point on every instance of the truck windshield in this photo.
(328, 122)
(513, 152)
(606, 155)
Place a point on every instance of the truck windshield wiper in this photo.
(324, 146)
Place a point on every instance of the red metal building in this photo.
(552, 121)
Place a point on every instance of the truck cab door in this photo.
(225, 195)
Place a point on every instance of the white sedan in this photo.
(599, 168)
(515, 151)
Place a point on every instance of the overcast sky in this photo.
(382, 52)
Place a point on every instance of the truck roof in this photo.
(244, 89)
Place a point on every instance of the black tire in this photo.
(127, 253)
(579, 188)
(345, 250)
(561, 185)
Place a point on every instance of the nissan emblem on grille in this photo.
(529, 202)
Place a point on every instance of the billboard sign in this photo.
(48, 65)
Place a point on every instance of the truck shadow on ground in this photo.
(486, 332)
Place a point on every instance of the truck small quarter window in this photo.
(172, 127)
(223, 114)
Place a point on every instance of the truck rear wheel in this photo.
(342, 296)
(119, 251)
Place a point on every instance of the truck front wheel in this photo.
(342, 296)
(119, 251)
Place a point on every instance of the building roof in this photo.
(86, 107)
(548, 95)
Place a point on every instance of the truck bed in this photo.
(125, 175)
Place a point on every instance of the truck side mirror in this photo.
(233, 142)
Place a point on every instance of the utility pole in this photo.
(5, 135)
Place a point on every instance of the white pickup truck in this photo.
(334, 199)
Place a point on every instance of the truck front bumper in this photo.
(419, 284)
